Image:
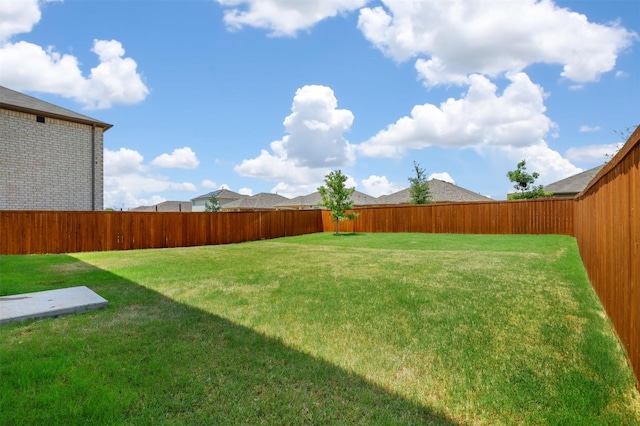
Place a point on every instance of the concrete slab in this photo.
(51, 303)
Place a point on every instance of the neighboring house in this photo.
(573, 185)
(441, 192)
(261, 201)
(50, 158)
(224, 196)
(167, 206)
(302, 202)
(360, 199)
(312, 201)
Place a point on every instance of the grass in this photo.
(318, 329)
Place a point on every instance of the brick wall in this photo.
(47, 166)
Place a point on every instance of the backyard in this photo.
(317, 329)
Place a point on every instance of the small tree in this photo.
(337, 198)
(419, 190)
(524, 183)
(212, 204)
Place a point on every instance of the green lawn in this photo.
(318, 329)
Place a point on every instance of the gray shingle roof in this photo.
(306, 201)
(16, 101)
(573, 184)
(362, 199)
(166, 206)
(261, 201)
(221, 194)
(441, 192)
(313, 199)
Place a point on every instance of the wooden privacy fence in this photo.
(608, 235)
(547, 216)
(27, 232)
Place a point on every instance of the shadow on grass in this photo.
(148, 359)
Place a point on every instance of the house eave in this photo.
(97, 123)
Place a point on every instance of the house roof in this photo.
(221, 194)
(441, 192)
(314, 199)
(259, 201)
(16, 101)
(573, 184)
(362, 199)
(303, 200)
(166, 206)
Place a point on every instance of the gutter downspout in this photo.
(93, 167)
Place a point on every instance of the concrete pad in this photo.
(51, 303)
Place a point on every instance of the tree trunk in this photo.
(337, 227)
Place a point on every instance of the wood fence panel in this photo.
(548, 216)
(31, 232)
(607, 229)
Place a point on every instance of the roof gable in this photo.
(221, 194)
(303, 200)
(314, 199)
(573, 184)
(441, 192)
(262, 200)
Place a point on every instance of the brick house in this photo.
(50, 158)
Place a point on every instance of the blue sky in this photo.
(271, 95)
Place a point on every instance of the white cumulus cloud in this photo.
(592, 153)
(483, 117)
(541, 158)
(128, 182)
(314, 144)
(122, 162)
(443, 176)
(30, 67)
(208, 184)
(180, 158)
(585, 128)
(452, 39)
(380, 185)
(18, 17)
(316, 129)
(294, 190)
(283, 17)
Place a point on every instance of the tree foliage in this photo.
(337, 197)
(419, 190)
(624, 134)
(212, 204)
(524, 183)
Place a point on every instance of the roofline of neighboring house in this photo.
(88, 120)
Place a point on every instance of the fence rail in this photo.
(608, 235)
(27, 232)
(547, 216)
